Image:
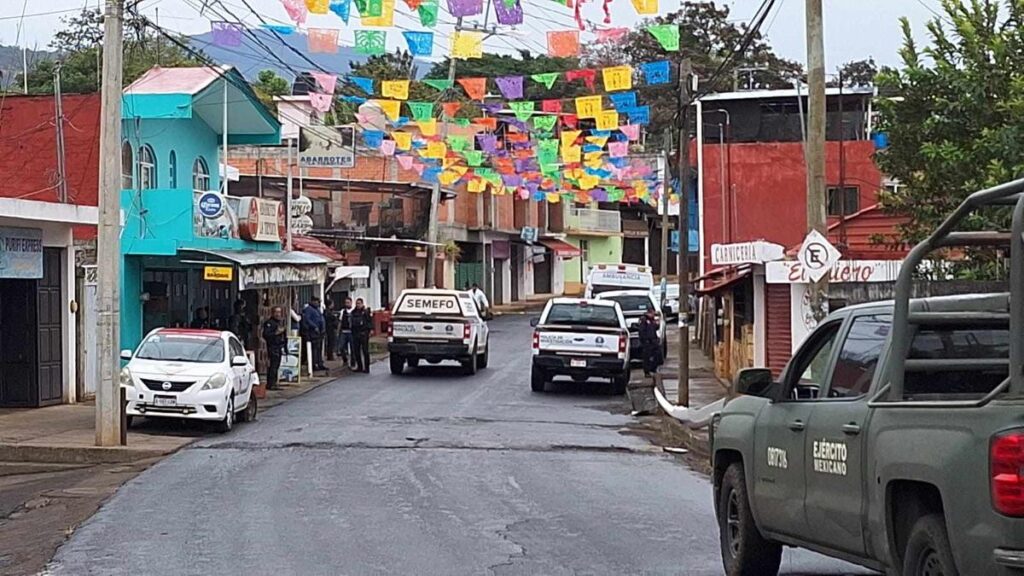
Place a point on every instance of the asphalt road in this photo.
(430, 473)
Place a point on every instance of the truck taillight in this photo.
(536, 340)
(466, 331)
(1006, 460)
(623, 340)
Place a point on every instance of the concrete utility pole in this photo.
(435, 190)
(666, 233)
(108, 249)
(58, 109)
(683, 156)
(816, 142)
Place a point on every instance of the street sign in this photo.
(817, 255)
(757, 252)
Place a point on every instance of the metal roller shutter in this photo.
(777, 326)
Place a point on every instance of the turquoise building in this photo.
(186, 242)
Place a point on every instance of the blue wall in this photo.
(189, 138)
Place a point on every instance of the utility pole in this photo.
(816, 142)
(435, 190)
(683, 171)
(666, 233)
(58, 108)
(108, 257)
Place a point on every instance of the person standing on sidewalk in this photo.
(347, 356)
(650, 344)
(276, 337)
(361, 323)
(312, 329)
(239, 324)
(331, 321)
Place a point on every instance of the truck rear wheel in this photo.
(928, 551)
(744, 551)
(537, 379)
(620, 383)
(397, 364)
(471, 365)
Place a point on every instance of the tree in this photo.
(958, 125)
(269, 85)
(708, 35)
(78, 43)
(856, 73)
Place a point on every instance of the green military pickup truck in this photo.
(894, 438)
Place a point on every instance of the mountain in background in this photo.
(11, 63)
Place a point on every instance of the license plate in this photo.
(165, 401)
(578, 363)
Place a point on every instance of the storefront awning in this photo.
(311, 245)
(561, 248)
(723, 278)
(257, 269)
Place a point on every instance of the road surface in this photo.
(430, 473)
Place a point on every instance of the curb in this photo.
(80, 454)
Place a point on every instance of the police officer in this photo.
(276, 337)
(650, 344)
(362, 323)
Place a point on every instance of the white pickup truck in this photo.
(581, 339)
(436, 325)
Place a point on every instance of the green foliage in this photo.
(268, 85)
(856, 73)
(708, 34)
(78, 43)
(958, 124)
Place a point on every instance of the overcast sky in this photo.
(854, 29)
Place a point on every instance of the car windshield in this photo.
(583, 315)
(182, 348)
(631, 303)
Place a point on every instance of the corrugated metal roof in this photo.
(176, 80)
(312, 245)
(260, 258)
(788, 93)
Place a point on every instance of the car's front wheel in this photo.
(744, 551)
(249, 414)
(228, 422)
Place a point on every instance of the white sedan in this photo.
(192, 374)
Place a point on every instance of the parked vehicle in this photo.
(670, 307)
(582, 339)
(634, 304)
(609, 277)
(190, 374)
(894, 438)
(437, 325)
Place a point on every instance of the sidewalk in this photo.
(533, 303)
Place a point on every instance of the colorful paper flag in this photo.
(320, 102)
(608, 120)
(326, 82)
(464, 8)
(564, 43)
(476, 88)
(617, 78)
(632, 131)
(363, 83)
(371, 42)
(646, 7)
(428, 13)
(474, 157)
(387, 147)
(398, 89)
(486, 123)
(421, 110)
(427, 127)
(588, 106)
(522, 109)
(420, 43)
(622, 100)
(282, 29)
(451, 109)
(640, 115)
(296, 10)
(369, 8)
(611, 35)
(438, 83)
(467, 44)
(457, 143)
(402, 139)
(667, 35)
(373, 138)
(547, 79)
(511, 87)
(386, 19)
(544, 123)
(342, 8)
(322, 40)
(572, 154)
(317, 6)
(656, 72)
(391, 108)
(508, 13)
(226, 33)
(552, 106)
(436, 150)
(588, 77)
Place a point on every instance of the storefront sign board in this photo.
(260, 220)
(218, 273)
(843, 271)
(250, 277)
(757, 252)
(21, 253)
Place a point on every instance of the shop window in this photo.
(200, 175)
(172, 164)
(127, 166)
(361, 213)
(843, 201)
(147, 167)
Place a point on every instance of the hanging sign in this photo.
(757, 252)
(21, 253)
(327, 147)
(817, 255)
(843, 271)
(260, 220)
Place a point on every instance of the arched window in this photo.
(200, 175)
(147, 167)
(173, 169)
(127, 166)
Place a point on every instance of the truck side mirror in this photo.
(754, 382)
(534, 322)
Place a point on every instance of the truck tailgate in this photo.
(570, 340)
(439, 329)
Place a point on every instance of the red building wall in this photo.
(766, 184)
(28, 149)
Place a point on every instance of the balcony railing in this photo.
(591, 221)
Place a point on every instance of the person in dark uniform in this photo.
(331, 322)
(312, 328)
(650, 344)
(362, 324)
(345, 325)
(276, 336)
(239, 324)
(201, 319)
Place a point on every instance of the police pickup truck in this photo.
(894, 438)
(581, 339)
(436, 325)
